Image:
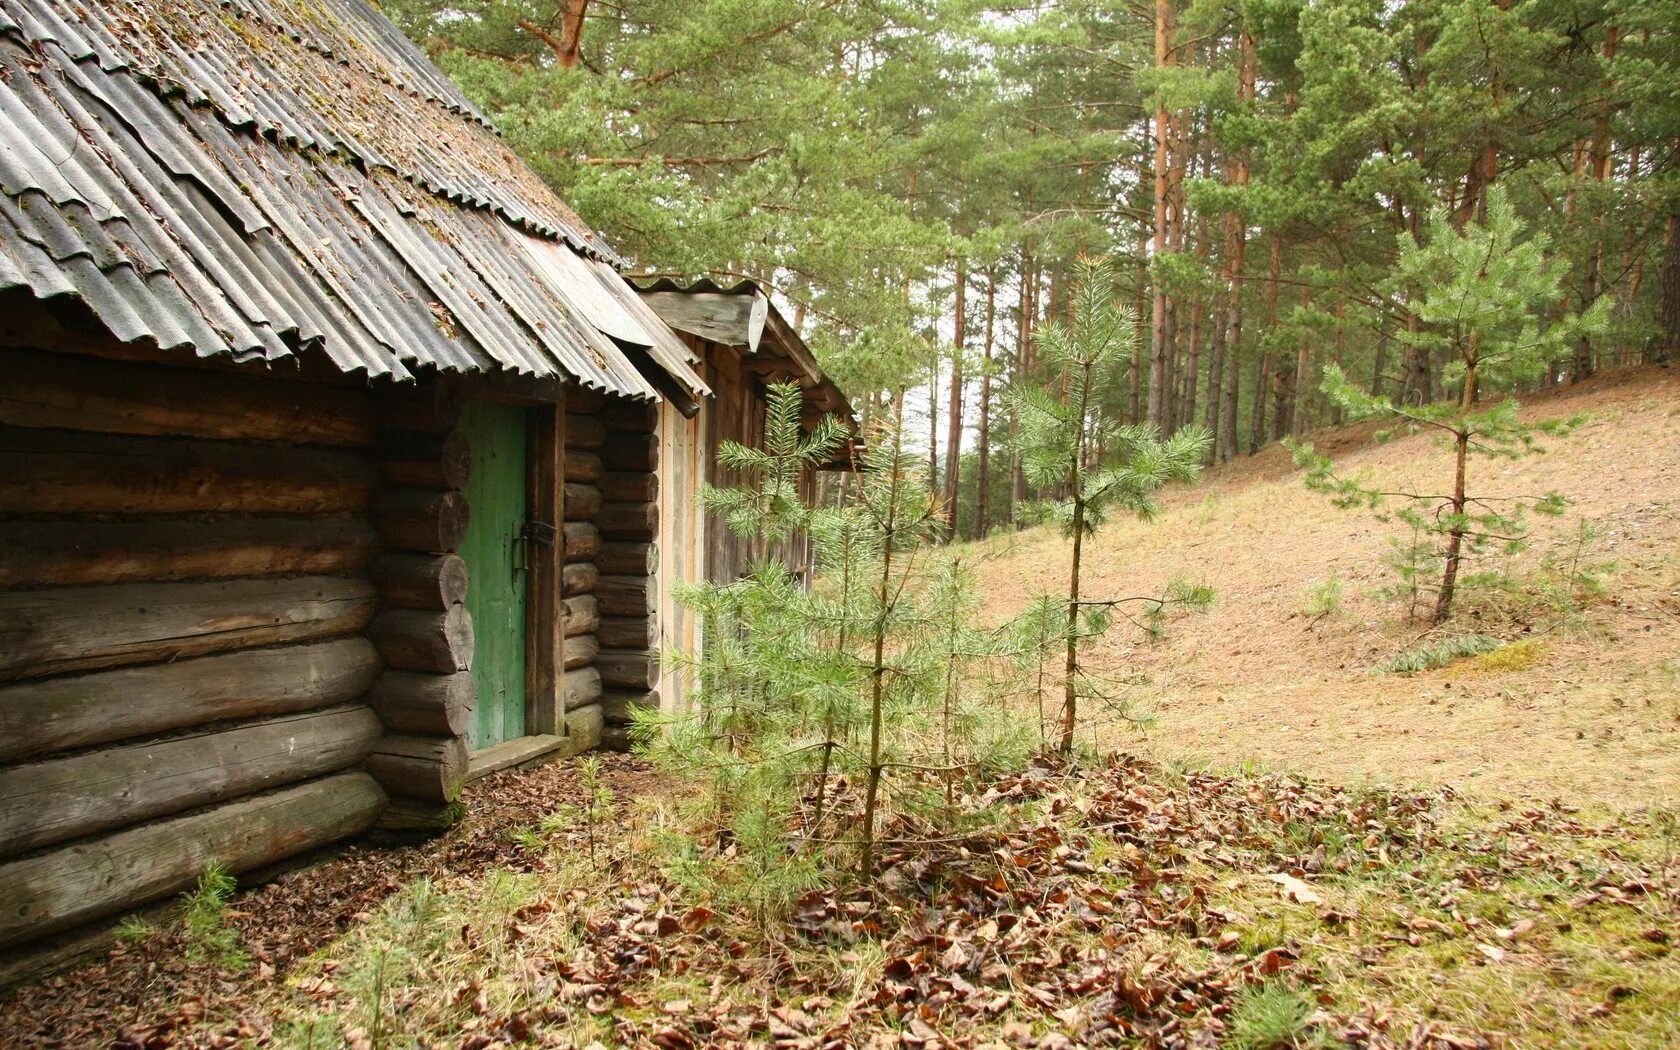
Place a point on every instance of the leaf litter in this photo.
(1114, 904)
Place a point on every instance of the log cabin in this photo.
(330, 447)
(741, 344)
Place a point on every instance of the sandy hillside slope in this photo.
(1596, 715)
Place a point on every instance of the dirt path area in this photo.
(1595, 717)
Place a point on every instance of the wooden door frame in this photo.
(545, 628)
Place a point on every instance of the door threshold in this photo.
(510, 753)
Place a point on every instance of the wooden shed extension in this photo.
(743, 344)
(322, 428)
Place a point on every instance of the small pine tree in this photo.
(1069, 445)
(1462, 522)
(840, 682)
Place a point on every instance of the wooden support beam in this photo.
(630, 487)
(583, 466)
(584, 432)
(623, 414)
(582, 501)
(622, 669)
(420, 640)
(95, 791)
(62, 630)
(63, 888)
(427, 704)
(628, 521)
(582, 541)
(61, 553)
(56, 714)
(618, 704)
(578, 578)
(629, 632)
(624, 596)
(582, 614)
(423, 461)
(581, 650)
(583, 687)
(428, 768)
(420, 581)
(631, 452)
(628, 558)
(421, 520)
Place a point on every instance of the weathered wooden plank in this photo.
(578, 578)
(636, 453)
(627, 670)
(617, 738)
(583, 687)
(618, 705)
(629, 632)
(624, 596)
(429, 768)
(628, 558)
(580, 651)
(428, 704)
(60, 472)
(545, 637)
(61, 630)
(628, 521)
(66, 553)
(420, 581)
(629, 486)
(406, 459)
(582, 501)
(583, 466)
(582, 541)
(421, 520)
(88, 880)
(57, 799)
(81, 393)
(421, 640)
(57, 714)
(582, 615)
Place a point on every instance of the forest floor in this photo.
(1587, 710)
(1298, 853)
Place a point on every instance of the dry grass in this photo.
(1591, 713)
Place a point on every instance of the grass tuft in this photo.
(1518, 656)
(1271, 1016)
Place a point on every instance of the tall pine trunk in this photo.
(953, 410)
(982, 466)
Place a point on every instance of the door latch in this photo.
(539, 532)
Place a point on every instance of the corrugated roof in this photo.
(252, 177)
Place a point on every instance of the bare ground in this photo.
(1595, 718)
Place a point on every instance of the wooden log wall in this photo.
(185, 599)
(626, 590)
(422, 629)
(580, 576)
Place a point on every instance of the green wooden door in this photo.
(494, 553)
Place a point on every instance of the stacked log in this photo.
(580, 575)
(184, 595)
(422, 630)
(625, 593)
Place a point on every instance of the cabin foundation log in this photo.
(618, 705)
(66, 887)
(628, 669)
(628, 558)
(583, 466)
(428, 768)
(628, 521)
(582, 541)
(50, 801)
(580, 651)
(629, 632)
(582, 615)
(583, 687)
(423, 461)
(578, 578)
